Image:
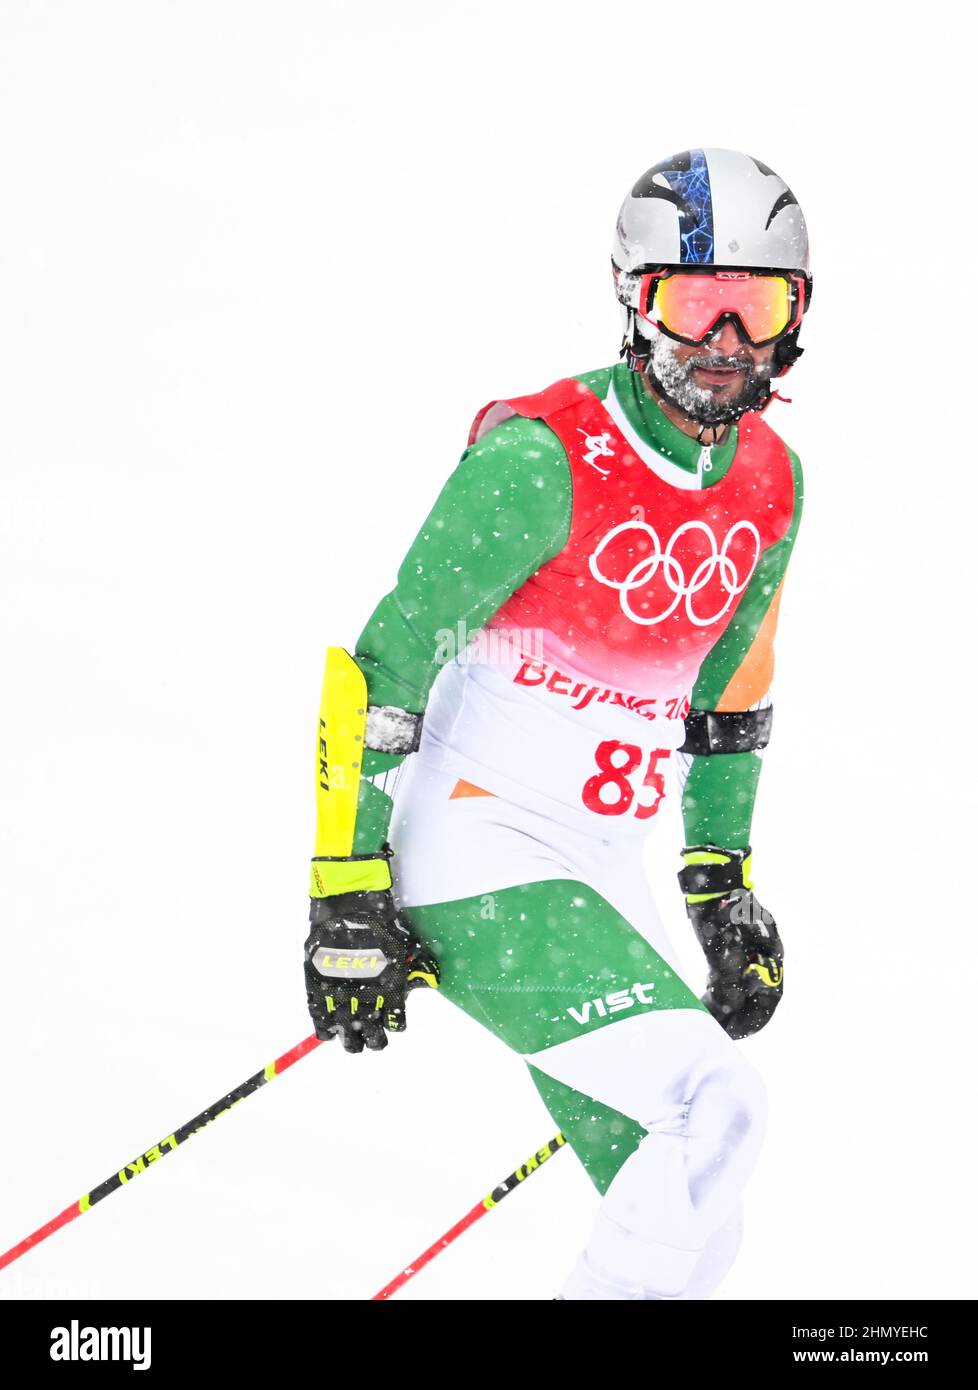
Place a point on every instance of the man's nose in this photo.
(728, 337)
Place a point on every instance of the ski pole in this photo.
(231, 1098)
(493, 1199)
(164, 1147)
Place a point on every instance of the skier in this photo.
(589, 608)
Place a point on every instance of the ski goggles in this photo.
(687, 303)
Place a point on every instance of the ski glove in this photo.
(738, 936)
(360, 963)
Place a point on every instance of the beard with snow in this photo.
(673, 377)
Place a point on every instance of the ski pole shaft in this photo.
(164, 1147)
(493, 1199)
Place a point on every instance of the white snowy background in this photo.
(260, 263)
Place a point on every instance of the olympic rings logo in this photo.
(717, 563)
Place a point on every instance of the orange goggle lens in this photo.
(688, 306)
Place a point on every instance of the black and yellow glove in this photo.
(738, 936)
(361, 960)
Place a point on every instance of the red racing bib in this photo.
(651, 574)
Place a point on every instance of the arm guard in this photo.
(340, 743)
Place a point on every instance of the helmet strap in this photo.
(715, 429)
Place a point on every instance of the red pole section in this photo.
(164, 1147)
(518, 1176)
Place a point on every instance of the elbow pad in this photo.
(392, 730)
(730, 731)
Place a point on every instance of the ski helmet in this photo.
(707, 207)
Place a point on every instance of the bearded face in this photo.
(671, 367)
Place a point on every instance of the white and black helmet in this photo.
(707, 207)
